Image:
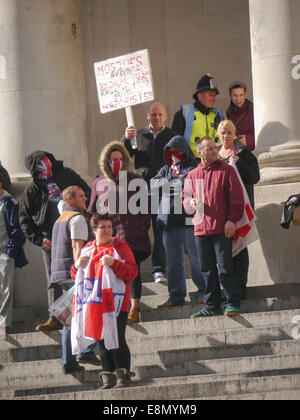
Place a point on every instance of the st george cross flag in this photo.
(246, 231)
(97, 302)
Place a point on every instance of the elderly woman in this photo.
(248, 168)
(105, 251)
(112, 193)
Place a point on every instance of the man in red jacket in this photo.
(213, 191)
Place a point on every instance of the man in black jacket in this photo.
(6, 178)
(38, 210)
(149, 159)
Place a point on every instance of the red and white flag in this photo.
(246, 231)
(97, 302)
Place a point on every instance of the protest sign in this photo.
(124, 81)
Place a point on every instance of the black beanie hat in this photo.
(207, 82)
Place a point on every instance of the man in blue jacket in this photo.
(12, 254)
(178, 231)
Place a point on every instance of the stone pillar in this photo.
(274, 258)
(276, 121)
(42, 106)
(42, 98)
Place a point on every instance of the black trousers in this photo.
(119, 358)
(136, 284)
(159, 253)
(241, 268)
(215, 258)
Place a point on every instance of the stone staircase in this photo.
(251, 356)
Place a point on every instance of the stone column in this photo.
(276, 121)
(42, 97)
(274, 257)
(42, 106)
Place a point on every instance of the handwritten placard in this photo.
(124, 81)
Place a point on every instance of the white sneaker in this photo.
(159, 278)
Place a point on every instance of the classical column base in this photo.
(280, 164)
(274, 258)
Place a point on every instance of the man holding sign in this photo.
(123, 82)
(149, 159)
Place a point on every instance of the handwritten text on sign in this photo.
(124, 81)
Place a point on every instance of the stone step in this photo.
(170, 357)
(202, 367)
(167, 329)
(222, 323)
(39, 346)
(290, 395)
(149, 312)
(41, 374)
(179, 389)
(253, 292)
(174, 356)
(26, 319)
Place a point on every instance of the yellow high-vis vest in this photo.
(199, 125)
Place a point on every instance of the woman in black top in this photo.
(248, 168)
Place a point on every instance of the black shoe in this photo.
(90, 359)
(75, 369)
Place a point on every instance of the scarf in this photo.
(97, 301)
(178, 158)
(44, 169)
(115, 166)
(176, 169)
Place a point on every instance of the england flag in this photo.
(246, 231)
(97, 302)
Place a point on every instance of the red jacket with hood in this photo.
(223, 196)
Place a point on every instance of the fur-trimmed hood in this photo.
(104, 156)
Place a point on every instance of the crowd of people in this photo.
(181, 181)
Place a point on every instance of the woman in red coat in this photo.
(115, 363)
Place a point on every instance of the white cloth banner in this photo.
(246, 231)
(97, 304)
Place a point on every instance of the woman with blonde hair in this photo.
(248, 168)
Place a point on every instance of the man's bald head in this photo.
(157, 116)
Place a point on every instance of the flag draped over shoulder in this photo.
(97, 301)
(246, 231)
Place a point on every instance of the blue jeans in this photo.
(215, 257)
(68, 360)
(177, 242)
(159, 253)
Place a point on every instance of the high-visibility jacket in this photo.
(200, 125)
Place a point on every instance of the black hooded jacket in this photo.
(248, 168)
(164, 179)
(34, 219)
(6, 178)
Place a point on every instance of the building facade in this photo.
(48, 97)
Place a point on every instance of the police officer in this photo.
(200, 119)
